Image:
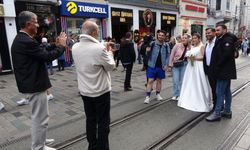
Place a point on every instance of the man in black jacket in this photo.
(127, 54)
(224, 69)
(31, 73)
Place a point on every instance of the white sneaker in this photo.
(147, 100)
(1, 106)
(48, 148)
(49, 141)
(174, 98)
(158, 97)
(22, 101)
(50, 97)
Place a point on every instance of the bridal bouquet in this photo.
(192, 53)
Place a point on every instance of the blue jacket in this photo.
(154, 52)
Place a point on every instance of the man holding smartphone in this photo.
(31, 74)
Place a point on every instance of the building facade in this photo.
(144, 16)
(193, 17)
(224, 11)
(73, 14)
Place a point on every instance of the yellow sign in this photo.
(121, 14)
(71, 7)
(1, 10)
(168, 18)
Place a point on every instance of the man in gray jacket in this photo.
(93, 62)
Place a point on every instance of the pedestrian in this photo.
(224, 69)
(157, 63)
(47, 46)
(61, 62)
(127, 54)
(178, 62)
(31, 74)
(93, 63)
(245, 47)
(211, 38)
(195, 92)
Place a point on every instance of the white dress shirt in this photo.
(209, 49)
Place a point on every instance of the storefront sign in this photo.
(80, 9)
(1, 10)
(168, 19)
(38, 8)
(195, 8)
(121, 15)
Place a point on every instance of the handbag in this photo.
(180, 62)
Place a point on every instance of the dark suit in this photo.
(211, 77)
(29, 63)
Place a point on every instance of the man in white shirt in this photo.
(93, 62)
(211, 38)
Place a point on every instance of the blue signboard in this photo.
(82, 9)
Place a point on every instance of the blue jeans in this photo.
(223, 92)
(178, 73)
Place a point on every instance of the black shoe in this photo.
(226, 115)
(213, 117)
(128, 89)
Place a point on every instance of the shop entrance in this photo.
(119, 31)
(5, 64)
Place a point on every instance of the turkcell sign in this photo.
(80, 9)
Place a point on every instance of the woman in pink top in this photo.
(178, 53)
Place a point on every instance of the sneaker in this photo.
(22, 101)
(226, 114)
(50, 97)
(48, 148)
(49, 141)
(147, 100)
(213, 117)
(174, 98)
(158, 97)
(1, 106)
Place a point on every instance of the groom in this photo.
(211, 38)
(224, 69)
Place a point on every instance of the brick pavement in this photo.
(67, 104)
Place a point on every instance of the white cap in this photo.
(44, 40)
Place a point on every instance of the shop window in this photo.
(74, 26)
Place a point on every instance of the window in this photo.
(228, 5)
(218, 4)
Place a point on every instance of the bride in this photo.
(195, 92)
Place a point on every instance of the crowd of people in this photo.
(201, 73)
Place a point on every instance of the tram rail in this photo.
(166, 140)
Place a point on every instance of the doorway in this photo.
(5, 64)
(119, 31)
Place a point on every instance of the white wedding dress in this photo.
(195, 91)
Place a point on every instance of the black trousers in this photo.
(212, 82)
(129, 68)
(97, 110)
(60, 64)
